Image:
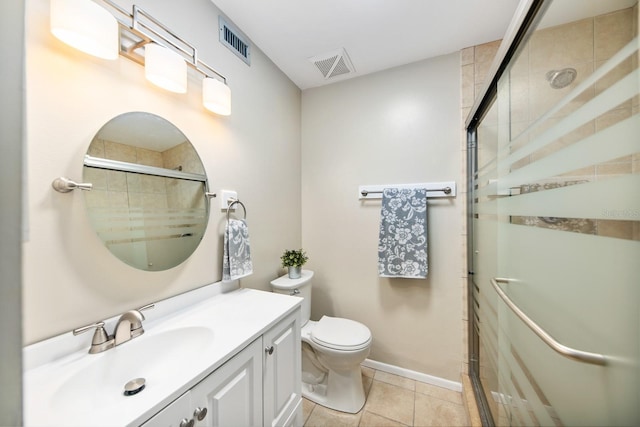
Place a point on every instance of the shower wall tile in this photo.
(121, 152)
(612, 32)
(467, 56)
(612, 117)
(483, 58)
(96, 148)
(467, 92)
(116, 181)
(97, 177)
(134, 182)
(617, 229)
(149, 157)
(543, 96)
(562, 46)
(96, 198)
(118, 199)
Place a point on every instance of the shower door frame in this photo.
(528, 13)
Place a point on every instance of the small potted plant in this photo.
(294, 259)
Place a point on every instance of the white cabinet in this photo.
(179, 411)
(258, 386)
(232, 394)
(282, 371)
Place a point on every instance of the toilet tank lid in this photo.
(283, 282)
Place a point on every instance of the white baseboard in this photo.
(419, 376)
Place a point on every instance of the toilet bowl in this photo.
(332, 350)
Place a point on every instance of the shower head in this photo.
(559, 79)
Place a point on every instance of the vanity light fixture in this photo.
(165, 68)
(85, 26)
(147, 41)
(216, 96)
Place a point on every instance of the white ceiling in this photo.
(376, 34)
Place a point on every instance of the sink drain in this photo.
(134, 386)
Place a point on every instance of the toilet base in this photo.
(341, 391)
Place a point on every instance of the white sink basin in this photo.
(153, 358)
(98, 381)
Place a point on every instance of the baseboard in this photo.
(414, 375)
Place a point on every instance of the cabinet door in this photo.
(232, 394)
(171, 416)
(282, 371)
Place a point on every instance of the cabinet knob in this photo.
(269, 350)
(200, 413)
(187, 423)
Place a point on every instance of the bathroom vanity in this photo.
(218, 355)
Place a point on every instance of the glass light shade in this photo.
(84, 25)
(165, 68)
(216, 96)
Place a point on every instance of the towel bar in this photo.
(436, 189)
(568, 352)
(446, 190)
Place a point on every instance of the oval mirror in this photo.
(148, 204)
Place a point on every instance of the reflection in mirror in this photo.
(148, 204)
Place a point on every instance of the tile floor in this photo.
(393, 400)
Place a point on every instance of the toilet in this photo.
(332, 350)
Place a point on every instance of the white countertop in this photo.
(58, 393)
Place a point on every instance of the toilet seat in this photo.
(340, 334)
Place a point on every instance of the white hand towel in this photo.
(402, 245)
(236, 259)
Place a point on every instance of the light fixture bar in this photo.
(135, 33)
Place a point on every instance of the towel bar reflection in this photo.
(445, 190)
(568, 352)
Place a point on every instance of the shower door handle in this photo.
(568, 352)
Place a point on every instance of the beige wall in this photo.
(393, 127)
(70, 279)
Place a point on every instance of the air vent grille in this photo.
(325, 65)
(333, 63)
(234, 40)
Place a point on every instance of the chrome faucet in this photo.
(129, 326)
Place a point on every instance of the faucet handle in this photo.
(101, 340)
(145, 307)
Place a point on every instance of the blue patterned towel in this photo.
(236, 260)
(402, 247)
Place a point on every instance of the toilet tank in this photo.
(298, 287)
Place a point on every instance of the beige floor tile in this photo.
(366, 383)
(367, 372)
(372, 420)
(307, 408)
(431, 411)
(439, 392)
(325, 417)
(390, 401)
(403, 382)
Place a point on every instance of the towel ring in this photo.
(231, 205)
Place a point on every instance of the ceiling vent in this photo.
(234, 40)
(333, 64)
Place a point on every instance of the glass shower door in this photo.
(556, 228)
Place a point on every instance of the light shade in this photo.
(165, 68)
(85, 26)
(216, 96)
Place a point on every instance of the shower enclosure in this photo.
(554, 219)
